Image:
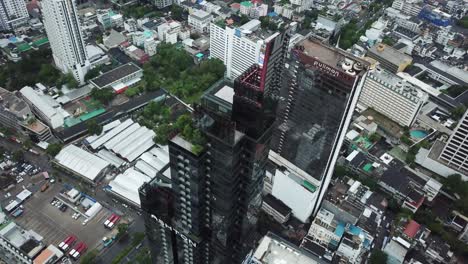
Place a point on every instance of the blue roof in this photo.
(13, 39)
(355, 230)
(272, 14)
(340, 228)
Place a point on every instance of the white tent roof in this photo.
(111, 134)
(23, 195)
(82, 162)
(154, 161)
(126, 184)
(116, 139)
(146, 168)
(110, 157)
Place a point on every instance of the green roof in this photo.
(309, 186)
(367, 167)
(40, 42)
(92, 114)
(246, 3)
(24, 47)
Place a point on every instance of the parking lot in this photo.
(54, 225)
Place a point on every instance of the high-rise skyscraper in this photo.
(65, 36)
(320, 90)
(13, 13)
(217, 180)
(455, 153)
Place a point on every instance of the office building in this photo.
(392, 96)
(217, 174)
(389, 58)
(239, 47)
(66, 37)
(200, 21)
(320, 91)
(13, 13)
(16, 114)
(455, 153)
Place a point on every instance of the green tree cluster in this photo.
(177, 12)
(33, 68)
(174, 70)
(104, 95)
(93, 127)
(378, 257)
(455, 90)
(53, 149)
(458, 112)
(136, 11)
(267, 23)
(90, 257)
(463, 22)
(93, 73)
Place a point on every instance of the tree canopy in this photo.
(93, 127)
(53, 149)
(378, 257)
(104, 95)
(173, 69)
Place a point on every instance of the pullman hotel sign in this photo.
(165, 225)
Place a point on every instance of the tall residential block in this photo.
(392, 96)
(239, 47)
(13, 13)
(217, 178)
(66, 37)
(321, 87)
(455, 153)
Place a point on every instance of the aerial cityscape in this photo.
(233, 132)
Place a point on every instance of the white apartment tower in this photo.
(13, 13)
(239, 48)
(392, 96)
(65, 36)
(455, 153)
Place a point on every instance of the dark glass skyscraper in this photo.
(212, 206)
(320, 90)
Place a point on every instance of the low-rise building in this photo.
(49, 255)
(120, 78)
(277, 209)
(18, 245)
(200, 20)
(81, 163)
(389, 58)
(16, 114)
(273, 250)
(45, 107)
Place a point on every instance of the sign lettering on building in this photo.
(167, 226)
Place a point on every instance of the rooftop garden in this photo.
(160, 118)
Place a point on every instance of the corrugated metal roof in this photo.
(127, 184)
(111, 134)
(121, 136)
(81, 162)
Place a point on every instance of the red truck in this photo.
(67, 243)
(78, 250)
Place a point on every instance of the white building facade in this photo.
(239, 48)
(200, 20)
(66, 37)
(13, 13)
(455, 153)
(390, 95)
